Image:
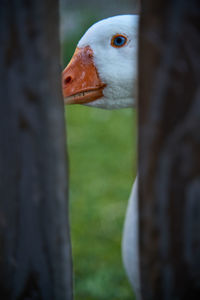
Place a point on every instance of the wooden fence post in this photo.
(169, 149)
(35, 251)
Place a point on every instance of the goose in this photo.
(103, 73)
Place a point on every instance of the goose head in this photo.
(103, 69)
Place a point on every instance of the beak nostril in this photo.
(67, 80)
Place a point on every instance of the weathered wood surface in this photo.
(169, 149)
(35, 252)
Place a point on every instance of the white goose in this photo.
(103, 73)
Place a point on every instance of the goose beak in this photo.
(80, 80)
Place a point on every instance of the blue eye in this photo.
(118, 41)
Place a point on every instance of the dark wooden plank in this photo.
(169, 149)
(35, 251)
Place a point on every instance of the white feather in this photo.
(117, 67)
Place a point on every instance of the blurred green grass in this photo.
(102, 154)
(100, 147)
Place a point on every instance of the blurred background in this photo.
(102, 154)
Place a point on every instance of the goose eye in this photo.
(118, 41)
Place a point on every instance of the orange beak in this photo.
(80, 79)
